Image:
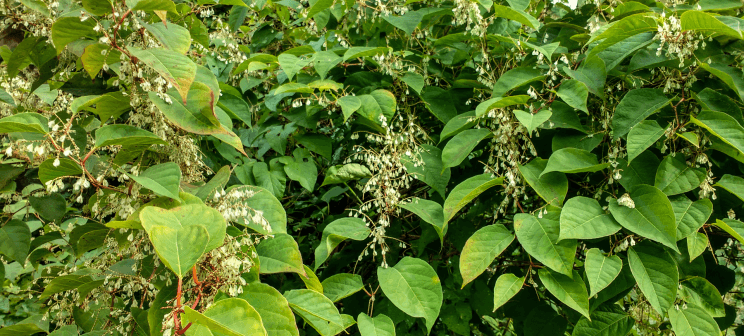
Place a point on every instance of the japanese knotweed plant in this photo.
(401, 167)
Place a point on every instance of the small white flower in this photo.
(56, 162)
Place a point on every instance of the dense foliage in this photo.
(386, 167)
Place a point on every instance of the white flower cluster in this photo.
(232, 205)
(626, 201)
(679, 44)
(467, 12)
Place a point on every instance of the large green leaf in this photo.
(573, 160)
(703, 294)
(342, 285)
(592, 73)
(570, 290)
(302, 169)
(466, 191)
(623, 29)
(656, 273)
(516, 15)
(308, 302)
(539, 237)
(515, 78)
(229, 317)
(69, 29)
(675, 176)
(697, 243)
(459, 147)
(532, 121)
(179, 249)
(185, 216)
(125, 135)
(481, 249)
(15, 240)
(583, 218)
(642, 136)
(729, 75)
(485, 107)
(574, 93)
(635, 107)
(164, 179)
(380, 325)
(601, 270)
(413, 286)
(733, 227)
(722, 126)
(608, 321)
(24, 122)
(431, 212)
(652, 215)
(335, 233)
(276, 316)
(693, 321)
(440, 102)
(273, 216)
(345, 173)
(690, 216)
(170, 35)
(178, 69)
(279, 254)
(733, 184)
(704, 22)
(552, 187)
(507, 285)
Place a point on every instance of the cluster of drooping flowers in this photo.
(389, 64)
(232, 205)
(386, 160)
(467, 12)
(679, 44)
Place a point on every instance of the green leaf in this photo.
(431, 212)
(406, 22)
(164, 179)
(675, 176)
(656, 273)
(583, 218)
(693, 321)
(610, 321)
(460, 146)
(552, 187)
(66, 167)
(573, 160)
(413, 286)
(570, 290)
(516, 15)
(652, 217)
(317, 143)
(690, 216)
(229, 317)
(51, 207)
(302, 169)
(24, 122)
(641, 171)
(426, 166)
(97, 7)
(623, 29)
(311, 280)
(15, 240)
(357, 52)
(729, 75)
(345, 173)
(440, 102)
(171, 36)
(342, 285)
(507, 285)
(273, 179)
(349, 105)
(458, 124)
(276, 315)
(710, 99)
(532, 121)
(151, 5)
(306, 302)
(592, 73)
(733, 184)
(697, 243)
(324, 61)
(125, 135)
(636, 106)
(499, 102)
(109, 105)
(96, 55)
(704, 22)
(642, 136)
(178, 69)
(280, 254)
(703, 294)
(186, 215)
(733, 227)
(272, 211)
(515, 78)
(466, 191)
(179, 249)
(414, 81)
(601, 271)
(216, 183)
(69, 282)
(723, 126)
(69, 29)
(481, 249)
(539, 237)
(335, 233)
(292, 64)
(574, 93)
(318, 7)
(380, 325)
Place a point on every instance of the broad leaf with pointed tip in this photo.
(515, 78)
(569, 290)
(574, 93)
(466, 191)
(652, 217)
(690, 216)
(184, 216)
(176, 68)
(573, 160)
(693, 321)
(335, 233)
(697, 243)
(733, 227)
(733, 184)
(164, 179)
(342, 285)
(722, 126)
(431, 212)
(551, 187)
(307, 302)
(701, 292)
(459, 147)
(229, 317)
(539, 237)
(179, 249)
(481, 249)
(642, 136)
(380, 325)
(532, 121)
(656, 273)
(413, 286)
(635, 107)
(600, 270)
(280, 254)
(609, 320)
(583, 218)
(507, 285)
(675, 176)
(276, 316)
